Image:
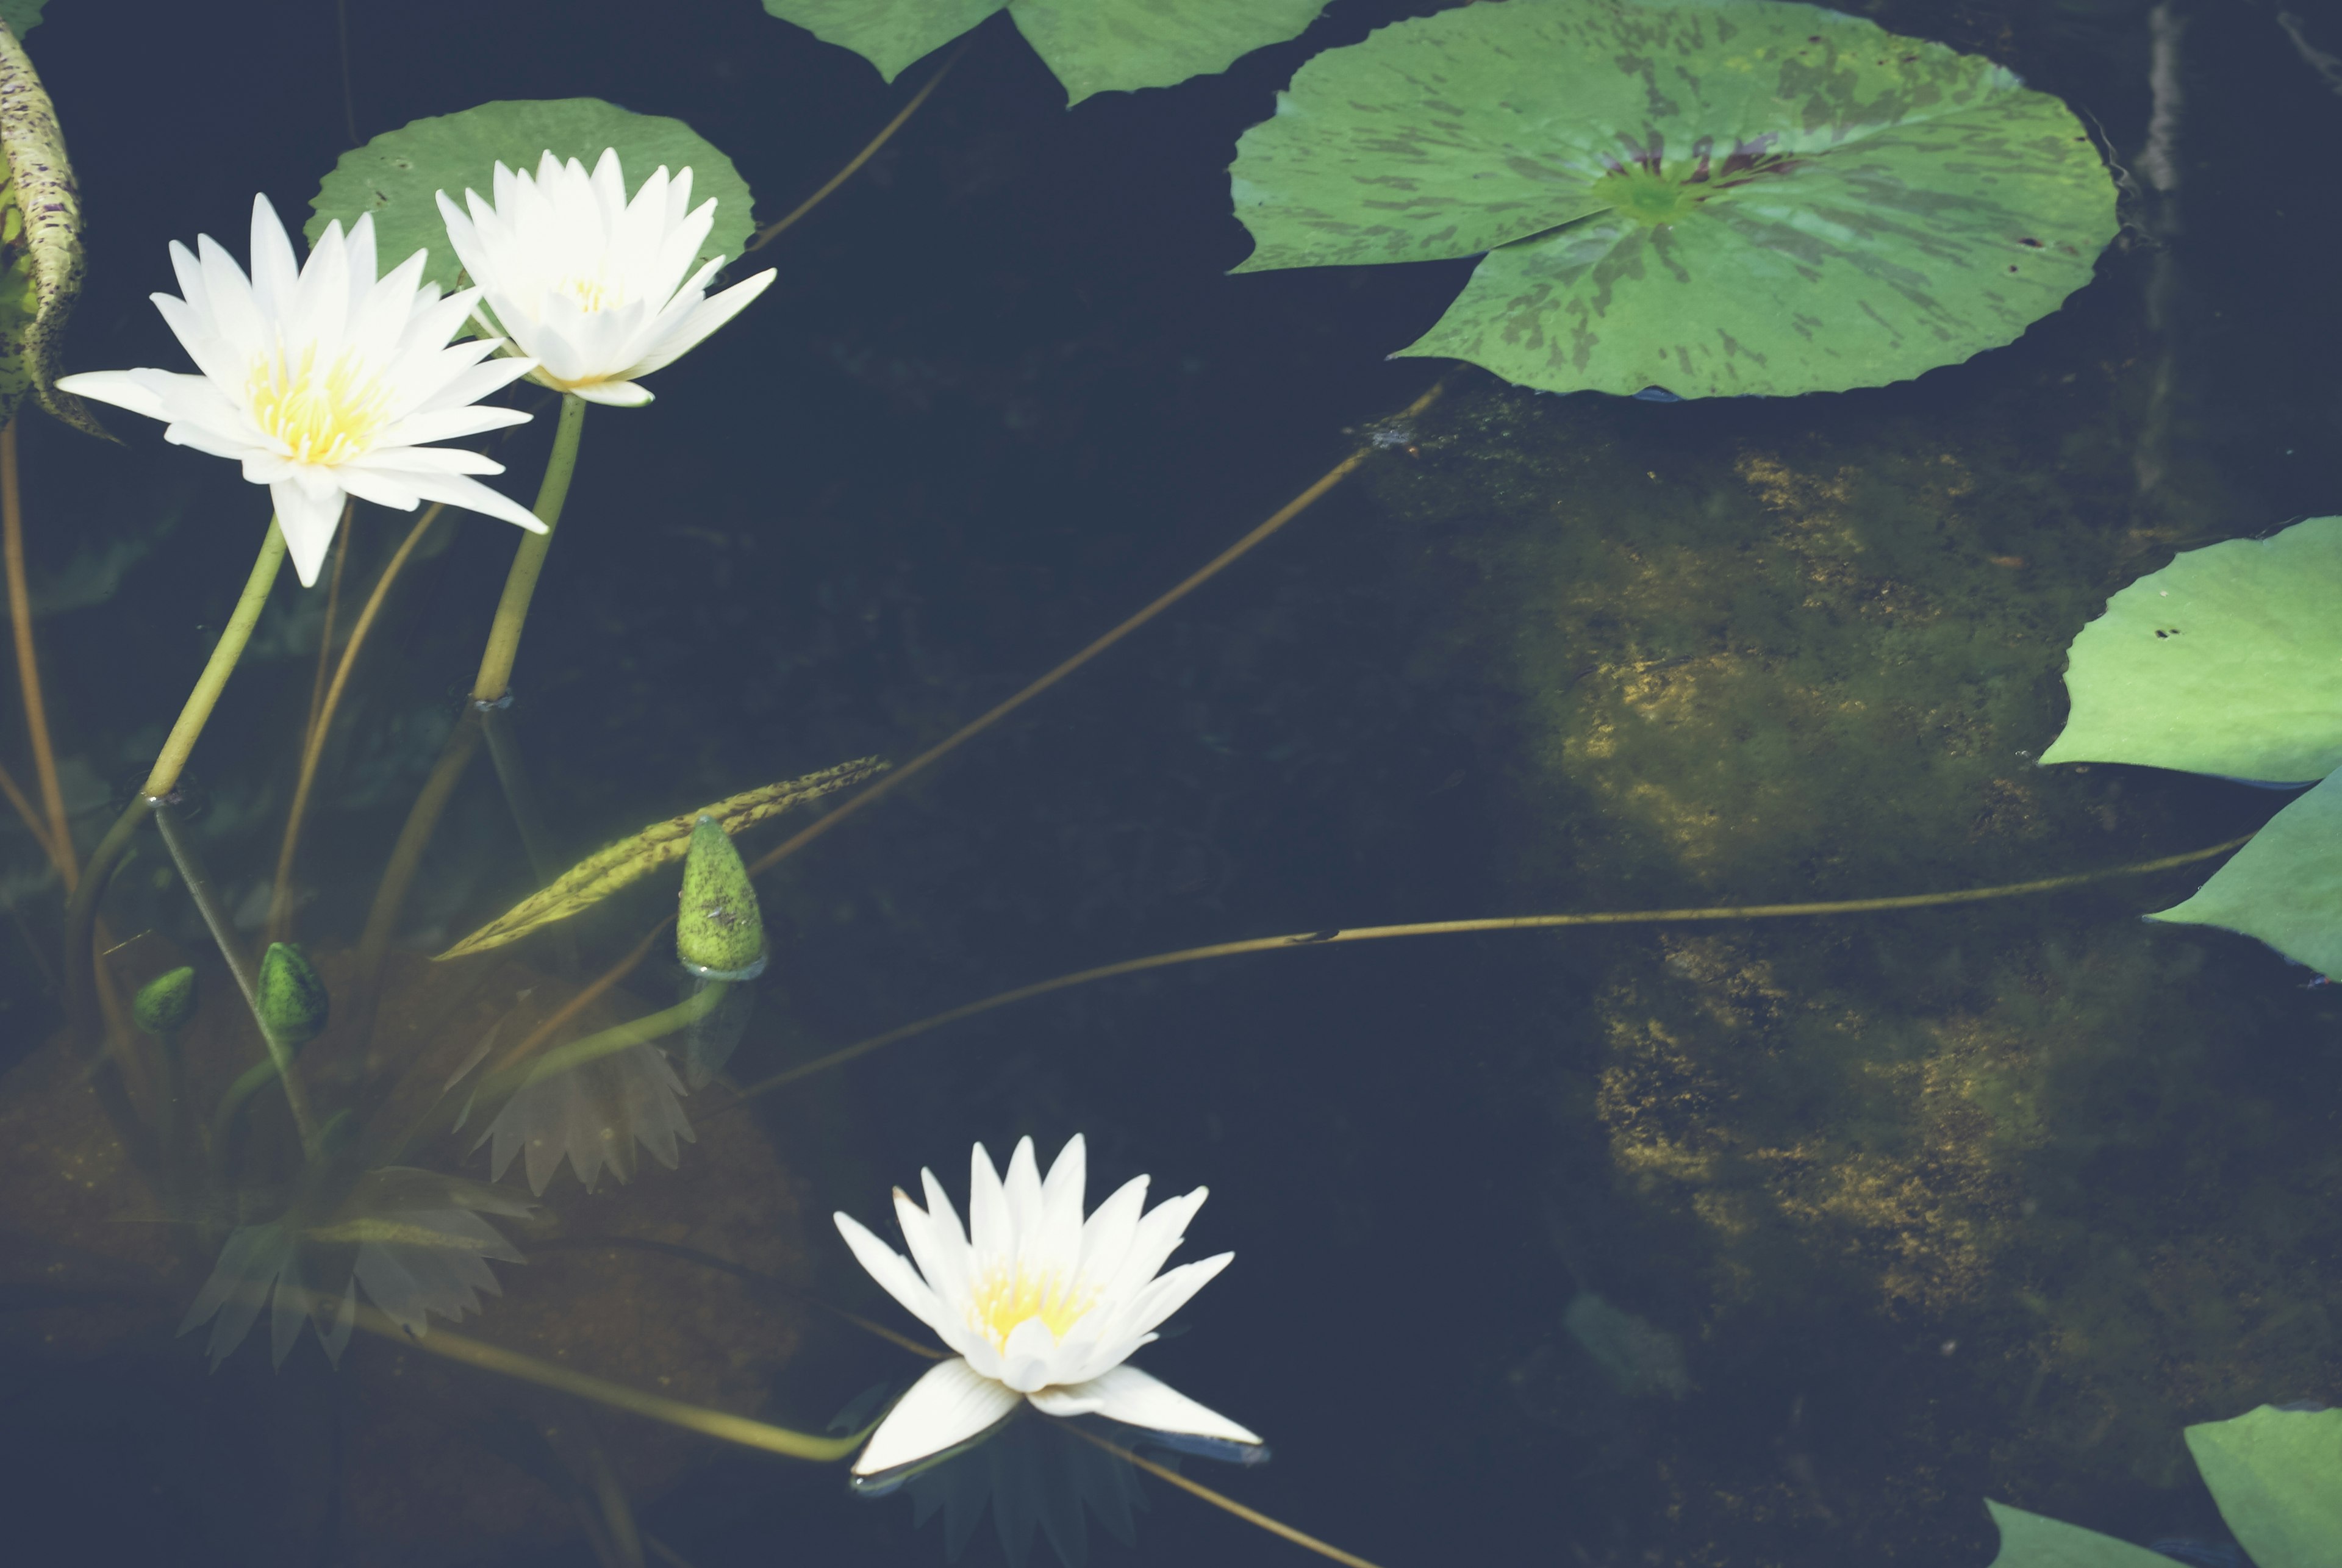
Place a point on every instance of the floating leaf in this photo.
(2285, 887)
(628, 861)
(41, 263)
(2034, 1540)
(2277, 1477)
(22, 15)
(1093, 46)
(398, 175)
(2228, 661)
(1714, 198)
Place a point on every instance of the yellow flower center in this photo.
(323, 415)
(1006, 1297)
(592, 293)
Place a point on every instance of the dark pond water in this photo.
(1738, 1243)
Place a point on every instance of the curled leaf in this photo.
(627, 862)
(41, 263)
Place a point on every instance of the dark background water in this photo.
(1001, 395)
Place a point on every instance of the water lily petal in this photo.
(1133, 1398)
(944, 1408)
(892, 1271)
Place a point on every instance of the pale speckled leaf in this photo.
(2285, 887)
(2035, 1540)
(44, 266)
(2277, 1477)
(1758, 197)
(628, 861)
(399, 175)
(889, 33)
(2227, 661)
(1121, 45)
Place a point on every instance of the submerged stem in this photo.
(197, 712)
(405, 856)
(1218, 1500)
(28, 669)
(83, 1012)
(715, 1423)
(608, 1041)
(520, 583)
(1313, 939)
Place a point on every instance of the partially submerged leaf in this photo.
(2277, 1477)
(2228, 661)
(2035, 1540)
(398, 175)
(1752, 197)
(628, 861)
(41, 263)
(1093, 46)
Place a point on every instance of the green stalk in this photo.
(217, 670)
(609, 1041)
(520, 583)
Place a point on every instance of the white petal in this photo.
(307, 523)
(1130, 1396)
(1107, 1234)
(1022, 1187)
(1167, 1295)
(705, 318)
(120, 387)
(892, 1271)
(989, 1232)
(1029, 1359)
(612, 394)
(947, 1407)
(1056, 1242)
(472, 495)
(1158, 1236)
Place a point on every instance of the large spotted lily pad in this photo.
(2228, 662)
(1707, 196)
(1093, 46)
(398, 175)
(2272, 1471)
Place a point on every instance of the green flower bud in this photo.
(165, 1004)
(719, 932)
(290, 998)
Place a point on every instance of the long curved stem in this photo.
(83, 1016)
(280, 901)
(218, 667)
(773, 230)
(28, 669)
(520, 583)
(608, 1041)
(1454, 927)
(407, 856)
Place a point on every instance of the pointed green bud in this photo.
(719, 934)
(290, 998)
(165, 1004)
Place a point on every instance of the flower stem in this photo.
(520, 583)
(28, 669)
(217, 670)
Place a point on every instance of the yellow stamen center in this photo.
(1007, 1296)
(323, 415)
(592, 293)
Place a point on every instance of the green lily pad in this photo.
(2228, 661)
(1093, 46)
(2034, 1540)
(22, 15)
(398, 175)
(2285, 887)
(1716, 198)
(2277, 1477)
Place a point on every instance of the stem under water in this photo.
(520, 583)
(608, 1041)
(28, 670)
(406, 857)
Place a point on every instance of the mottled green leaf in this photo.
(41, 263)
(2034, 1540)
(2285, 887)
(398, 175)
(2277, 1477)
(628, 861)
(2227, 661)
(891, 34)
(1093, 46)
(1751, 198)
(1121, 45)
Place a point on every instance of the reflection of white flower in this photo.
(324, 381)
(593, 1115)
(590, 283)
(414, 1239)
(1040, 1303)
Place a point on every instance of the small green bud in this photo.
(290, 998)
(718, 930)
(165, 1004)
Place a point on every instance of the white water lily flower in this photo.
(324, 381)
(592, 284)
(1041, 1304)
